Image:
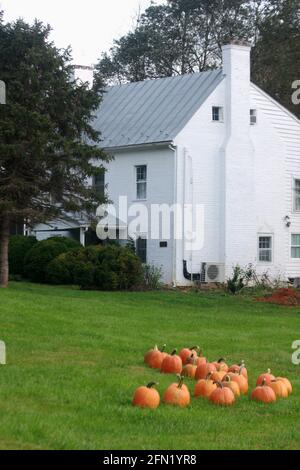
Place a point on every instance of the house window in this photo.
(217, 114)
(296, 195)
(141, 182)
(99, 183)
(265, 248)
(295, 248)
(253, 117)
(141, 249)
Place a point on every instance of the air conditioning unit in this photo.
(213, 272)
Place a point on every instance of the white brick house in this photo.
(217, 140)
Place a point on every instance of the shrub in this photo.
(152, 277)
(18, 248)
(42, 253)
(237, 282)
(58, 272)
(100, 267)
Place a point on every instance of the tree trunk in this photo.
(4, 240)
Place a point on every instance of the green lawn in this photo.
(75, 358)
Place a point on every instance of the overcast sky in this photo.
(89, 26)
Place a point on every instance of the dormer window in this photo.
(217, 114)
(253, 117)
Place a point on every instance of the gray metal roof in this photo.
(154, 110)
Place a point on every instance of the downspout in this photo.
(190, 276)
(174, 251)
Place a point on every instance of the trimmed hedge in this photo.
(100, 267)
(19, 246)
(42, 253)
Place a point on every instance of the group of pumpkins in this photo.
(216, 381)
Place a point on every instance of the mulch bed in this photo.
(285, 296)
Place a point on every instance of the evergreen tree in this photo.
(48, 147)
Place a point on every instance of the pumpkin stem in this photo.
(195, 348)
(269, 371)
(152, 384)
(163, 348)
(180, 380)
(219, 384)
(227, 379)
(174, 352)
(221, 360)
(263, 382)
(208, 375)
(241, 369)
(200, 354)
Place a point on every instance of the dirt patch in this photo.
(285, 296)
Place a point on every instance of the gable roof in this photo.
(154, 110)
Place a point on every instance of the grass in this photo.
(75, 359)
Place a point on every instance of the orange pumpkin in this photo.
(263, 393)
(172, 364)
(268, 377)
(179, 378)
(221, 365)
(149, 353)
(203, 369)
(177, 395)
(189, 370)
(201, 359)
(222, 396)
(287, 384)
(146, 397)
(156, 358)
(205, 387)
(217, 376)
(279, 388)
(234, 386)
(235, 368)
(241, 380)
(186, 353)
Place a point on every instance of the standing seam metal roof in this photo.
(154, 110)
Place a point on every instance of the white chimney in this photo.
(236, 68)
(238, 195)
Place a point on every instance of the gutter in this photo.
(161, 144)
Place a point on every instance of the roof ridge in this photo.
(170, 77)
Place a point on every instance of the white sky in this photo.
(89, 26)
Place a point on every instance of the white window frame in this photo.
(294, 194)
(253, 117)
(265, 235)
(294, 246)
(137, 182)
(221, 113)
